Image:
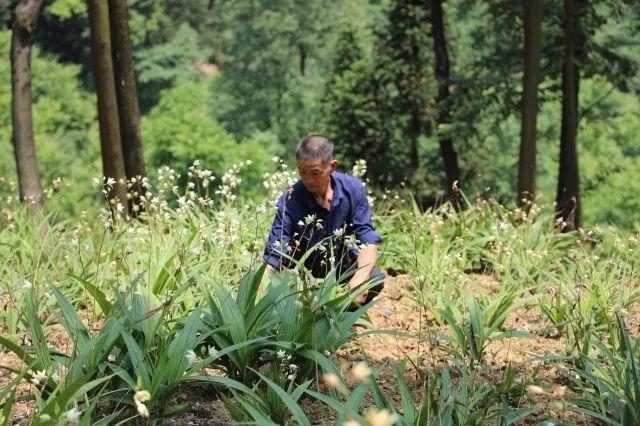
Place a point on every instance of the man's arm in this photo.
(280, 235)
(367, 258)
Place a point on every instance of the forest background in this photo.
(230, 81)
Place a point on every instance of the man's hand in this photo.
(268, 270)
(366, 261)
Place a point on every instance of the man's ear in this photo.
(334, 165)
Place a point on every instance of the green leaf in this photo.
(335, 404)
(16, 349)
(98, 295)
(37, 333)
(291, 404)
(76, 330)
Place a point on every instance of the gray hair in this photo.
(313, 147)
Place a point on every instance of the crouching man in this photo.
(328, 208)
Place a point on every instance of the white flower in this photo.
(191, 356)
(111, 181)
(319, 225)
(142, 396)
(309, 219)
(338, 232)
(73, 415)
(381, 418)
(300, 223)
(331, 380)
(38, 377)
(212, 351)
(291, 377)
(361, 372)
(535, 390)
(26, 284)
(359, 168)
(142, 409)
(281, 354)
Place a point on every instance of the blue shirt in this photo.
(301, 223)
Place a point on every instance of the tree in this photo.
(405, 48)
(353, 104)
(112, 158)
(530, 79)
(24, 22)
(443, 117)
(127, 99)
(568, 195)
(271, 65)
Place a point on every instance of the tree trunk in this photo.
(415, 130)
(112, 159)
(127, 96)
(449, 156)
(24, 23)
(532, 47)
(568, 197)
(302, 49)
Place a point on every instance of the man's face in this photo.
(316, 175)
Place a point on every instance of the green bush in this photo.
(180, 130)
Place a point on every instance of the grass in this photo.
(179, 299)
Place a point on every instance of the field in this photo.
(490, 315)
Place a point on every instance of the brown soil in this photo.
(420, 346)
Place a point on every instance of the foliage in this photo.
(377, 104)
(63, 125)
(443, 401)
(177, 300)
(609, 382)
(180, 130)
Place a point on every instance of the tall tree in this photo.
(112, 158)
(127, 97)
(405, 47)
(531, 76)
(24, 23)
(443, 117)
(568, 196)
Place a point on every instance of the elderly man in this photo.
(328, 209)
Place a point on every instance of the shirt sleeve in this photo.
(361, 220)
(280, 235)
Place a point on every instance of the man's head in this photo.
(315, 162)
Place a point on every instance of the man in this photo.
(327, 208)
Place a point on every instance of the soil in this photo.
(420, 346)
